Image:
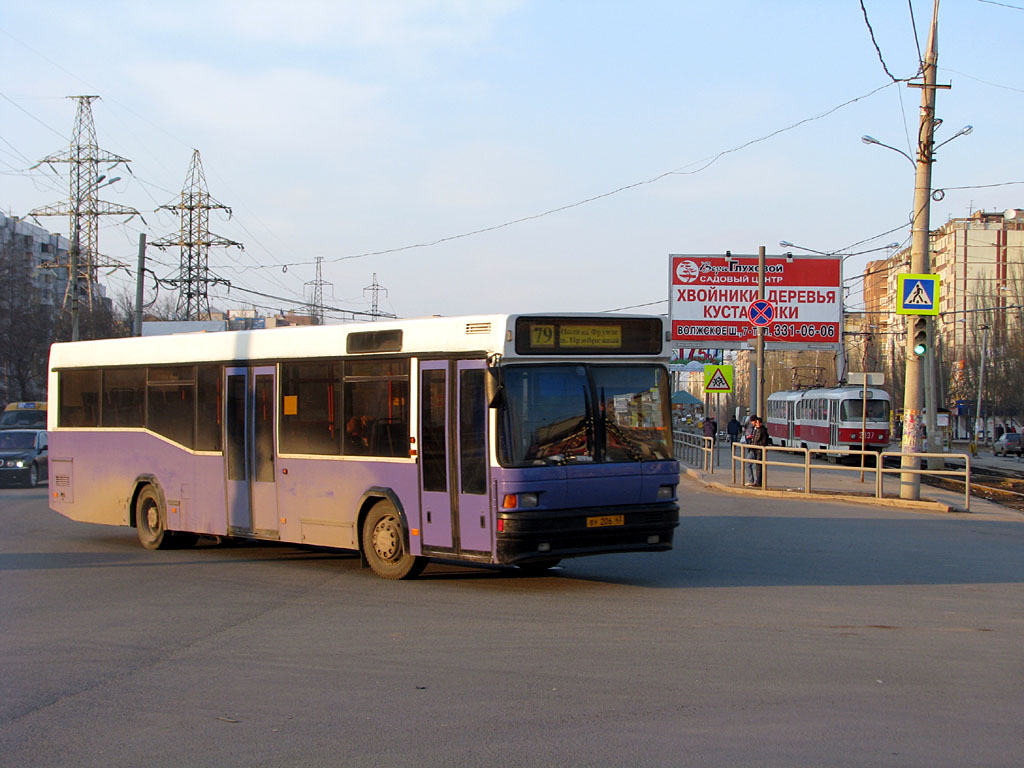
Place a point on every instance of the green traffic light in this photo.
(920, 348)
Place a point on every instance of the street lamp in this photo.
(873, 140)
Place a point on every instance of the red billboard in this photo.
(710, 297)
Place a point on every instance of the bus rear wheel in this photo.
(383, 542)
(151, 520)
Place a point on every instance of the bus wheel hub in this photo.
(385, 539)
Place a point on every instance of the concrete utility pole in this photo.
(761, 396)
(920, 264)
(140, 282)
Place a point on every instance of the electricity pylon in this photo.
(316, 301)
(83, 207)
(376, 289)
(195, 240)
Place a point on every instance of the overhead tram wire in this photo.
(703, 165)
(303, 302)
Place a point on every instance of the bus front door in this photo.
(454, 458)
(249, 451)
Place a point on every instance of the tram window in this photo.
(878, 410)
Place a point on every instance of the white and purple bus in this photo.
(498, 439)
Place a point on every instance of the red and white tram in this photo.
(829, 418)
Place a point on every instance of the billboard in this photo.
(710, 298)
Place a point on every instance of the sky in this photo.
(506, 155)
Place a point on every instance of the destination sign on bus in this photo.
(633, 335)
(583, 336)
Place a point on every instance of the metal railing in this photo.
(695, 449)
(965, 473)
(742, 459)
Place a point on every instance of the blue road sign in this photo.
(761, 313)
(917, 294)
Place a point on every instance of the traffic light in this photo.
(921, 339)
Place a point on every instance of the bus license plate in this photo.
(604, 520)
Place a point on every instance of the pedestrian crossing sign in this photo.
(917, 294)
(718, 378)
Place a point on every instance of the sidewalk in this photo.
(829, 483)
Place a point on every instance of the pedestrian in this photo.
(708, 427)
(733, 428)
(999, 431)
(756, 435)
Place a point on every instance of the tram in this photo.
(829, 419)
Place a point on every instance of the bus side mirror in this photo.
(492, 387)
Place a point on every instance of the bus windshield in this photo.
(556, 414)
(878, 410)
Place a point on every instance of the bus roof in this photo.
(484, 334)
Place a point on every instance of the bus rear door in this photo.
(249, 451)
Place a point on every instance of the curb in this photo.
(924, 505)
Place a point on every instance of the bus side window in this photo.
(310, 408)
(376, 394)
(79, 398)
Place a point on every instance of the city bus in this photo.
(829, 419)
(494, 439)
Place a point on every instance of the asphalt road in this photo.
(778, 633)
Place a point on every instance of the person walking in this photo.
(733, 428)
(758, 435)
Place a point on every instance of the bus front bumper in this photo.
(533, 535)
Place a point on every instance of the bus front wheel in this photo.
(151, 521)
(384, 544)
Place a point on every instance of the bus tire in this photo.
(383, 541)
(151, 520)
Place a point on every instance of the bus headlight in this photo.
(520, 500)
(666, 492)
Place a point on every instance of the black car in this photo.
(23, 456)
(1008, 442)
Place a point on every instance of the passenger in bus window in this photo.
(355, 437)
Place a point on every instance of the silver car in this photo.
(1008, 442)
